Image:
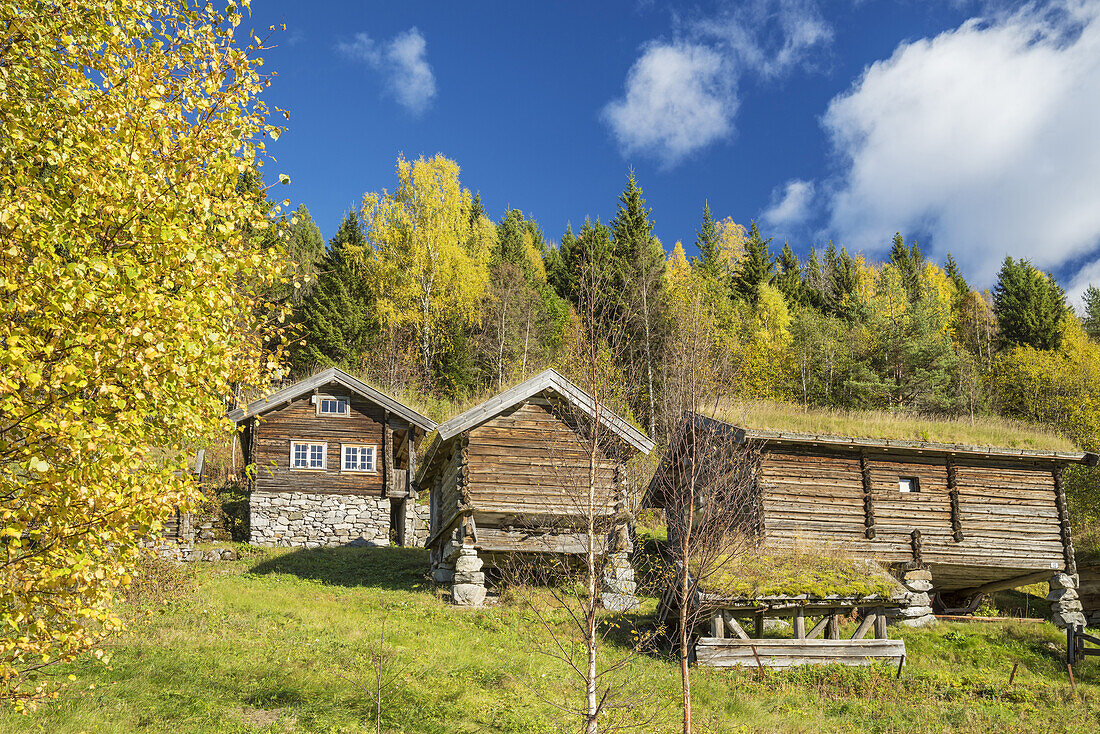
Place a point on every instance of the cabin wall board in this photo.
(529, 461)
(1007, 510)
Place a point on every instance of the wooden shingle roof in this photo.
(328, 377)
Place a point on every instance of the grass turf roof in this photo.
(989, 431)
(770, 572)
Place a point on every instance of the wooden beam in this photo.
(1012, 583)
(819, 627)
(734, 627)
(799, 625)
(865, 624)
(953, 496)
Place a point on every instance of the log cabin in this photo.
(956, 521)
(332, 462)
(508, 476)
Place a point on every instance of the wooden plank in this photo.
(785, 653)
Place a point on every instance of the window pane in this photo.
(368, 458)
(316, 456)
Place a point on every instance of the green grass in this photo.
(276, 642)
(900, 425)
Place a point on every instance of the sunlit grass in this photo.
(899, 425)
(278, 642)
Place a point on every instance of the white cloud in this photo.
(360, 48)
(790, 204)
(404, 63)
(412, 82)
(769, 36)
(984, 137)
(678, 99)
(681, 96)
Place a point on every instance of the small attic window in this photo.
(907, 485)
(327, 405)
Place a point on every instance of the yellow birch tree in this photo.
(427, 256)
(127, 295)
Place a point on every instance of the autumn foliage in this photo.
(129, 278)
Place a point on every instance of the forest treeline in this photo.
(420, 290)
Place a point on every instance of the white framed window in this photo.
(359, 458)
(329, 405)
(908, 485)
(305, 455)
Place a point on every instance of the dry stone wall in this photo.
(310, 520)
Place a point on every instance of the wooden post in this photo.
(799, 624)
(718, 626)
(387, 454)
(953, 495)
(880, 623)
(832, 628)
(413, 490)
(868, 498)
(758, 625)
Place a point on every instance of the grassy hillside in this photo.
(277, 642)
(899, 425)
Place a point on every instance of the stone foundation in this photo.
(916, 603)
(618, 587)
(308, 520)
(1065, 607)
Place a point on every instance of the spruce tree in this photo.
(756, 267)
(842, 279)
(336, 317)
(1091, 320)
(789, 278)
(1030, 307)
(640, 269)
(909, 261)
(709, 261)
(558, 263)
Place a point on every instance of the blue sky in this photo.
(970, 126)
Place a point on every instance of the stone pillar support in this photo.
(617, 588)
(469, 580)
(916, 609)
(1065, 604)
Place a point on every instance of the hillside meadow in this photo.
(279, 641)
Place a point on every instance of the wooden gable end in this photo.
(532, 460)
(298, 421)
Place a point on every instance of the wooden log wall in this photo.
(973, 513)
(298, 421)
(531, 462)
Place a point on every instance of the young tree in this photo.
(1030, 307)
(129, 307)
(703, 495)
(427, 255)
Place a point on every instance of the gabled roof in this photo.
(547, 380)
(743, 435)
(321, 379)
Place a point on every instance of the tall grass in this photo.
(899, 425)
